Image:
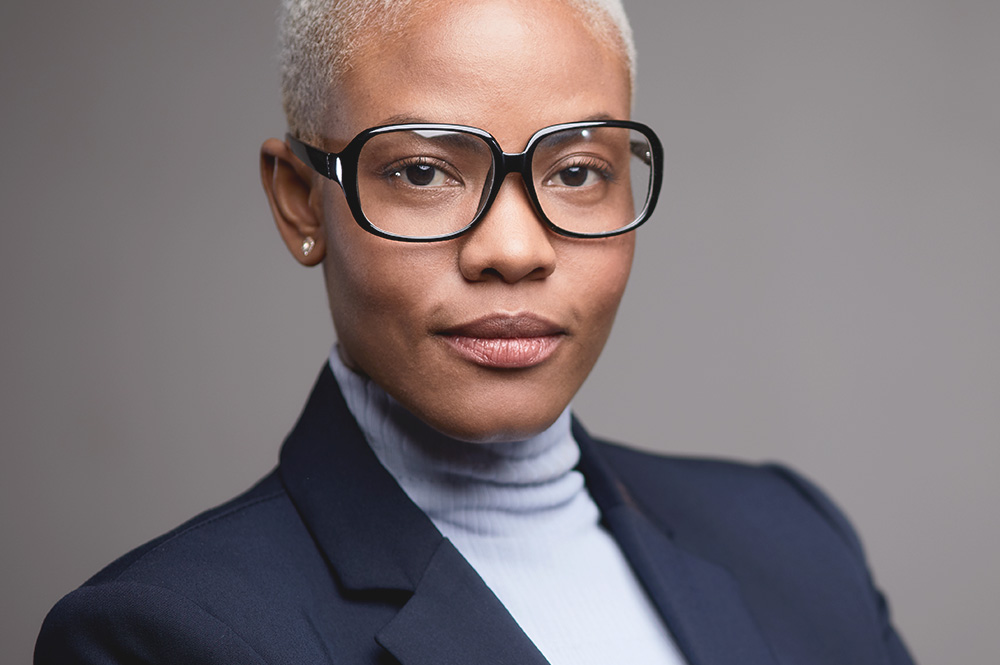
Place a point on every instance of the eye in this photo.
(586, 174)
(575, 176)
(418, 172)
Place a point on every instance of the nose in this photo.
(511, 243)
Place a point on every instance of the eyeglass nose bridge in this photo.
(506, 164)
(513, 162)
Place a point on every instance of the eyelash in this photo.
(400, 165)
(591, 163)
(600, 167)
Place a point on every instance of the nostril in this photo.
(511, 276)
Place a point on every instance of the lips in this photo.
(505, 341)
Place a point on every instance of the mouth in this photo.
(505, 341)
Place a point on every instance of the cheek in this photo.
(362, 271)
(377, 289)
(601, 278)
(362, 277)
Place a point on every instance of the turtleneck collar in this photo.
(510, 489)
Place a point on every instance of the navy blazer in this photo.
(326, 560)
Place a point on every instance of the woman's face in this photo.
(485, 337)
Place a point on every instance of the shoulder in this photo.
(192, 592)
(126, 622)
(729, 508)
(211, 540)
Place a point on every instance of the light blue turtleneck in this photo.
(521, 515)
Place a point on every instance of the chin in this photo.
(496, 422)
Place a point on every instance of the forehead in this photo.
(507, 66)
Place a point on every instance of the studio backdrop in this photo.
(819, 284)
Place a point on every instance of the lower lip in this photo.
(505, 352)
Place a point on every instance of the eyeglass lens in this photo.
(423, 183)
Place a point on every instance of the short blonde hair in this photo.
(319, 38)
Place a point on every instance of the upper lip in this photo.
(499, 326)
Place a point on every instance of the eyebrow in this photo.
(452, 139)
(403, 119)
(406, 119)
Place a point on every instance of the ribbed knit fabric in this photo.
(521, 516)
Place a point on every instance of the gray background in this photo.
(819, 284)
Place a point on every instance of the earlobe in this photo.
(289, 187)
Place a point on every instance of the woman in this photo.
(466, 176)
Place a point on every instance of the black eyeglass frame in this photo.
(342, 168)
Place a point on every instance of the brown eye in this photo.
(579, 176)
(420, 175)
(574, 176)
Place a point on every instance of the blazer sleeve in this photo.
(128, 622)
(898, 653)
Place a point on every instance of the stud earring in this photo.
(307, 245)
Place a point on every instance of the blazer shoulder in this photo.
(216, 524)
(206, 592)
(700, 475)
(255, 548)
(703, 490)
(159, 600)
(132, 622)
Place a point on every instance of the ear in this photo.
(292, 191)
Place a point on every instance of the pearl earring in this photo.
(307, 245)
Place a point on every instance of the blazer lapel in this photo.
(699, 601)
(453, 618)
(375, 539)
(368, 529)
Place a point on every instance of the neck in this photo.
(501, 488)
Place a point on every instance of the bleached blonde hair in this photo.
(319, 38)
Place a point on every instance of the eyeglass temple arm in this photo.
(324, 163)
(641, 150)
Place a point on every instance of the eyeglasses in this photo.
(430, 182)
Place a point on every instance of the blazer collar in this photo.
(372, 534)
(375, 537)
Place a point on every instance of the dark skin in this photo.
(525, 66)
